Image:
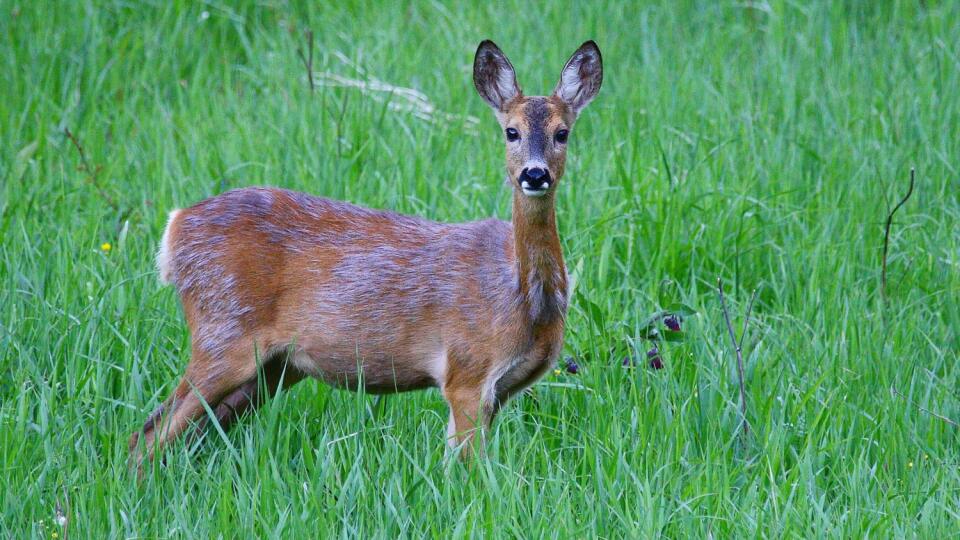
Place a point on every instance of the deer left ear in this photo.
(494, 77)
(581, 77)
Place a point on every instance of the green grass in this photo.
(762, 144)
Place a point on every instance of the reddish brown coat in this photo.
(376, 300)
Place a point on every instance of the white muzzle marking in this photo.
(530, 192)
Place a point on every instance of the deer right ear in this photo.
(494, 77)
(581, 77)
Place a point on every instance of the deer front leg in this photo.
(470, 418)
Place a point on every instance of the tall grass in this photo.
(760, 142)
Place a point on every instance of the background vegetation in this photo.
(763, 142)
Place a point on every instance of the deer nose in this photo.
(535, 179)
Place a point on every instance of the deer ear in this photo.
(581, 77)
(494, 77)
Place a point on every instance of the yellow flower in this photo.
(54, 535)
(106, 247)
(557, 372)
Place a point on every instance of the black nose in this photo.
(534, 178)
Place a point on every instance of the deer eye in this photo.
(561, 136)
(513, 135)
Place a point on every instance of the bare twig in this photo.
(396, 98)
(738, 347)
(894, 391)
(746, 319)
(308, 58)
(92, 172)
(79, 147)
(886, 235)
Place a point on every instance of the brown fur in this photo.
(370, 299)
(559, 116)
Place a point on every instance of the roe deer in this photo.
(372, 299)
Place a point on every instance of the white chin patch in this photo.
(530, 192)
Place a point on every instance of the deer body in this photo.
(372, 299)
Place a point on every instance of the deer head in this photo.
(536, 128)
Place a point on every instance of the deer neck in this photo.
(539, 258)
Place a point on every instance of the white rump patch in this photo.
(165, 255)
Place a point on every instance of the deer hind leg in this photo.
(207, 379)
(277, 374)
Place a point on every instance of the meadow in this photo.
(763, 143)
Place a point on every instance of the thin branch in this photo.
(886, 235)
(746, 320)
(79, 147)
(308, 58)
(894, 391)
(92, 173)
(736, 346)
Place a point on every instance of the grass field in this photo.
(760, 142)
